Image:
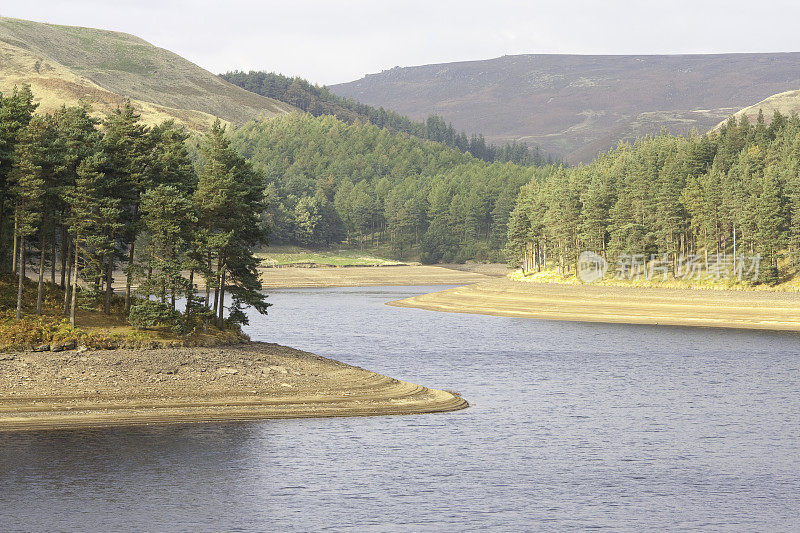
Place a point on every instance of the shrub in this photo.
(150, 313)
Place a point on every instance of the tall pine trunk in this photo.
(53, 254)
(218, 283)
(221, 297)
(189, 294)
(66, 250)
(40, 289)
(129, 279)
(16, 241)
(109, 285)
(67, 262)
(21, 272)
(74, 300)
(208, 285)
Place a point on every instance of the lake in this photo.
(571, 426)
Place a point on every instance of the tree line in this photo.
(724, 194)
(330, 182)
(320, 101)
(86, 197)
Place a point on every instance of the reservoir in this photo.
(571, 425)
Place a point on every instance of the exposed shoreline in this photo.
(188, 385)
(624, 305)
(365, 276)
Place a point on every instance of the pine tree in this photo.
(596, 202)
(229, 201)
(95, 219)
(28, 189)
(127, 146)
(562, 217)
(16, 111)
(76, 139)
(168, 223)
(770, 229)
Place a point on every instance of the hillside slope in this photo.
(574, 106)
(320, 101)
(66, 64)
(785, 103)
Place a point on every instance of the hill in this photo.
(785, 103)
(67, 64)
(320, 101)
(329, 182)
(575, 106)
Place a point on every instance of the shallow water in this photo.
(571, 425)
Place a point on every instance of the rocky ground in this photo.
(256, 380)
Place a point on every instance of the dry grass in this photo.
(65, 64)
(789, 283)
(785, 103)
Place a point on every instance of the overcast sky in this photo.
(331, 41)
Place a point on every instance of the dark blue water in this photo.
(572, 426)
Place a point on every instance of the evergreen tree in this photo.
(229, 200)
(168, 221)
(127, 146)
(95, 217)
(77, 138)
(28, 189)
(16, 111)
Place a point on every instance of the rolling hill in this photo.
(575, 106)
(785, 103)
(67, 64)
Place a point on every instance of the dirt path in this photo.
(124, 387)
(590, 303)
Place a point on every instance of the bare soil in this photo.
(591, 303)
(366, 276)
(257, 380)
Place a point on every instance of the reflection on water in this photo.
(571, 426)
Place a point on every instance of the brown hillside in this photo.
(575, 106)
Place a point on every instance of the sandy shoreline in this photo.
(589, 303)
(365, 276)
(182, 385)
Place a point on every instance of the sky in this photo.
(334, 41)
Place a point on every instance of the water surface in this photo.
(572, 425)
